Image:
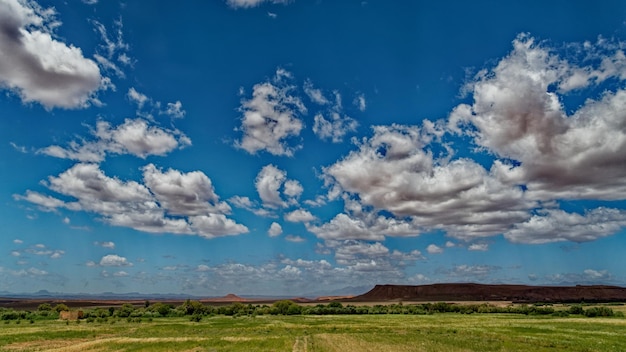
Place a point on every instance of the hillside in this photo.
(480, 292)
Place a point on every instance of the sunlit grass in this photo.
(438, 332)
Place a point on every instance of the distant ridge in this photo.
(231, 297)
(482, 292)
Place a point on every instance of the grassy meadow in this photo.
(385, 332)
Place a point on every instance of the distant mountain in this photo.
(480, 292)
(44, 294)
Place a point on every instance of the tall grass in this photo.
(385, 332)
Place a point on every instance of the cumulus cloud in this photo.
(138, 98)
(394, 171)
(300, 215)
(292, 188)
(168, 202)
(135, 136)
(42, 250)
(543, 152)
(268, 183)
(270, 118)
(556, 225)
(364, 256)
(294, 238)
(114, 260)
(337, 125)
(244, 4)
(481, 247)
(175, 110)
(275, 230)
(518, 114)
(434, 249)
(180, 193)
(38, 67)
(107, 244)
(334, 128)
(369, 227)
(272, 184)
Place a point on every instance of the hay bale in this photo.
(71, 315)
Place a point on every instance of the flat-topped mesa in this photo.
(482, 292)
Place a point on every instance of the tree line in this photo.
(196, 310)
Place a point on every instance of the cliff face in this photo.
(479, 292)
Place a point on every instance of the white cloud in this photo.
(38, 67)
(300, 215)
(361, 256)
(335, 128)
(270, 117)
(587, 277)
(268, 183)
(275, 230)
(18, 241)
(555, 225)
(314, 94)
(450, 244)
(135, 137)
(393, 171)
(434, 249)
(482, 247)
(138, 98)
(203, 267)
(180, 193)
(15, 253)
(292, 188)
(363, 227)
(112, 50)
(516, 114)
(253, 3)
(194, 208)
(214, 225)
(46, 203)
(19, 148)
(108, 244)
(360, 102)
(294, 238)
(338, 124)
(41, 250)
(596, 275)
(31, 272)
(272, 184)
(175, 110)
(419, 278)
(114, 260)
(542, 154)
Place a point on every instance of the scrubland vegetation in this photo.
(287, 326)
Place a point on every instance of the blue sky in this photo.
(305, 147)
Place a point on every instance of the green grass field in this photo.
(438, 332)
